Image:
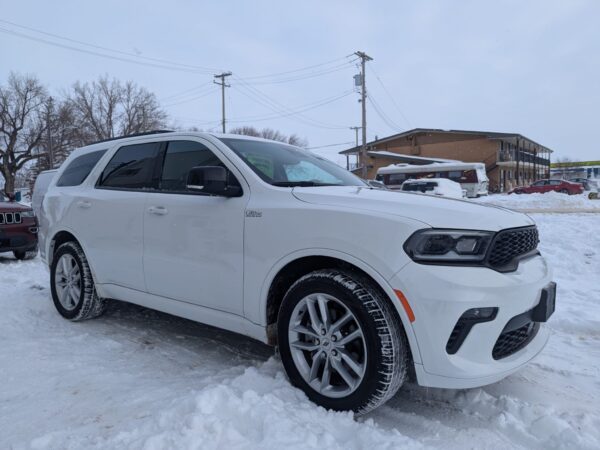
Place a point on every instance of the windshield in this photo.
(284, 165)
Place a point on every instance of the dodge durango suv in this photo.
(356, 287)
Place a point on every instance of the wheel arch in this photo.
(57, 240)
(294, 266)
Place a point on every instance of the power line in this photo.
(186, 91)
(91, 52)
(295, 110)
(328, 145)
(107, 49)
(390, 96)
(190, 99)
(306, 76)
(260, 97)
(390, 123)
(297, 70)
(167, 64)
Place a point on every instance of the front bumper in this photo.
(19, 237)
(439, 295)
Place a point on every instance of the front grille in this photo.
(512, 341)
(10, 218)
(510, 244)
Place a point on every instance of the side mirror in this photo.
(211, 180)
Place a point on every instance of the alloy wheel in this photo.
(67, 282)
(327, 345)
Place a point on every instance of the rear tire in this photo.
(564, 191)
(72, 285)
(358, 374)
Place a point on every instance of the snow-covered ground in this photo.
(548, 201)
(135, 378)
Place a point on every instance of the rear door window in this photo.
(132, 167)
(78, 169)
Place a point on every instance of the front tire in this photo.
(341, 342)
(72, 285)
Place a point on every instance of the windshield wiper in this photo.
(301, 184)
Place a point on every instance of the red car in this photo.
(18, 229)
(542, 186)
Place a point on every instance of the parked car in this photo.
(18, 229)
(435, 186)
(542, 186)
(587, 183)
(357, 287)
(39, 189)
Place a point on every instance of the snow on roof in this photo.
(412, 168)
(409, 157)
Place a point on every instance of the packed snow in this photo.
(139, 379)
(549, 201)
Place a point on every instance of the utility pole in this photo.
(356, 130)
(363, 99)
(223, 86)
(49, 149)
(347, 157)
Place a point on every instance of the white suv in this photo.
(356, 286)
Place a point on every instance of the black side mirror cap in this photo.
(211, 180)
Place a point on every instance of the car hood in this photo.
(13, 207)
(437, 212)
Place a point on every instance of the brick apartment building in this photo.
(510, 158)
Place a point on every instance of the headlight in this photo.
(27, 214)
(448, 246)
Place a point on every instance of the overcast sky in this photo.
(530, 67)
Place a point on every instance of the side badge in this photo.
(253, 213)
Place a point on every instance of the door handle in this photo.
(158, 210)
(84, 204)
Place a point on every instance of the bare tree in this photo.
(269, 133)
(107, 108)
(22, 125)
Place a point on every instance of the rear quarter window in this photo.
(79, 169)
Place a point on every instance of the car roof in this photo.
(102, 145)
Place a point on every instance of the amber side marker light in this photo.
(405, 304)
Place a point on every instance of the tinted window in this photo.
(180, 157)
(554, 182)
(396, 178)
(419, 187)
(132, 167)
(78, 170)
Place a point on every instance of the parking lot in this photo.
(136, 378)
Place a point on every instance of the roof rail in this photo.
(145, 133)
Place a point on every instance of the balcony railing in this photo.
(510, 155)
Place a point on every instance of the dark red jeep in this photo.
(18, 229)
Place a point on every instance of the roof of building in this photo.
(558, 165)
(508, 137)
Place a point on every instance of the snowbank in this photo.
(547, 201)
(138, 379)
